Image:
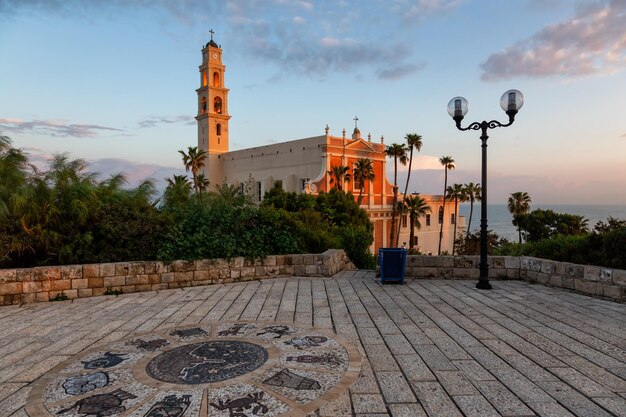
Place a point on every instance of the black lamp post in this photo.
(511, 102)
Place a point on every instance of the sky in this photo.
(114, 83)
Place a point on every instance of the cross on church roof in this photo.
(356, 119)
(211, 32)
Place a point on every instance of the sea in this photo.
(500, 220)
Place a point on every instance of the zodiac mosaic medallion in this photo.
(225, 369)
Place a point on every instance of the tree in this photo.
(177, 192)
(13, 173)
(413, 141)
(339, 174)
(519, 203)
(194, 161)
(448, 164)
(546, 224)
(398, 153)
(455, 192)
(417, 208)
(363, 171)
(473, 192)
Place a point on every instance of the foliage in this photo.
(194, 161)
(60, 297)
(338, 175)
(473, 192)
(363, 171)
(470, 244)
(544, 224)
(417, 207)
(398, 153)
(448, 164)
(519, 204)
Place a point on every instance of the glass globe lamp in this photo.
(512, 101)
(457, 108)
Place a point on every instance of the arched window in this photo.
(217, 105)
(218, 129)
(203, 104)
(440, 214)
(204, 79)
(216, 79)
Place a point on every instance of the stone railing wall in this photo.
(586, 279)
(29, 285)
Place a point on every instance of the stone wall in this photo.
(586, 279)
(29, 285)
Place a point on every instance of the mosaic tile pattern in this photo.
(242, 369)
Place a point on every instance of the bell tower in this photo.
(212, 111)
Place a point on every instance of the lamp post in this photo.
(511, 101)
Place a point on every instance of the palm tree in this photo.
(194, 161)
(203, 183)
(448, 163)
(339, 174)
(456, 192)
(473, 192)
(413, 141)
(363, 171)
(13, 173)
(417, 208)
(397, 152)
(519, 203)
(177, 191)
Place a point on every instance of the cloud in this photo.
(418, 9)
(58, 128)
(398, 72)
(591, 42)
(153, 121)
(420, 162)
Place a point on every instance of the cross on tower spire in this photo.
(211, 32)
(356, 119)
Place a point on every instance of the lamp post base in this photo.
(483, 285)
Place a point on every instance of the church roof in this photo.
(212, 43)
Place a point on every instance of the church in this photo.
(302, 165)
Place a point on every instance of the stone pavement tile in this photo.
(365, 382)
(475, 406)
(581, 382)
(530, 369)
(381, 358)
(550, 409)
(394, 387)
(373, 415)
(455, 383)
(573, 400)
(20, 413)
(434, 399)
(370, 336)
(407, 410)
(487, 358)
(398, 344)
(473, 370)
(433, 357)
(15, 401)
(521, 386)
(38, 369)
(414, 368)
(339, 407)
(368, 403)
(616, 405)
(415, 335)
(9, 388)
(502, 399)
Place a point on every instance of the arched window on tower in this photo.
(216, 79)
(217, 105)
(440, 214)
(203, 104)
(205, 81)
(218, 129)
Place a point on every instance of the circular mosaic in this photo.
(243, 369)
(199, 363)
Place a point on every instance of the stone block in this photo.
(149, 267)
(60, 285)
(431, 261)
(531, 276)
(308, 259)
(612, 291)
(43, 296)
(574, 271)
(414, 260)
(225, 273)
(543, 278)
(556, 281)
(202, 275)
(85, 292)
(548, 267)
(237, 262)
(248, 271)
(259, 271)
(133, 280)
(426, 272)
(272, 270)
(8, 275)
(29, 298)
(447, 261)
(97, 291)
(154, 279)
(592, 273)
(497, 262)
(300, 270)
(156, 287)
(619, 277)
(116, 281)
(183, 276)
(80, 283)
(235, 273)
(9, 288)
(462, 273)
(497, 273)
(280, 260)
(44, 273)
(121, 268)
(312, 270)
(31, 286)
(95, 282)
(606, 275)
(128, 289)
(220, 263)
(513, 274)
(523, 263)
(534, 264)
(202, 265)
(269, 261)
(91, 271)
(445, 272)
(199, 283)
(466, 262)
(511, 262)
(107, 270)
(167, 277)
(143, 287)
(297, 259)
(182, 266)
(567, 282)
(25, 275)
(161, 267)
(587, 287)
(71, 271)
(287, 270)
(136, 268)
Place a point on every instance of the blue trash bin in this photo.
(392, 264)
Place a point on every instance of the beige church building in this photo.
(301, 165)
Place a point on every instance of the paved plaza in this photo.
(341, 346)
